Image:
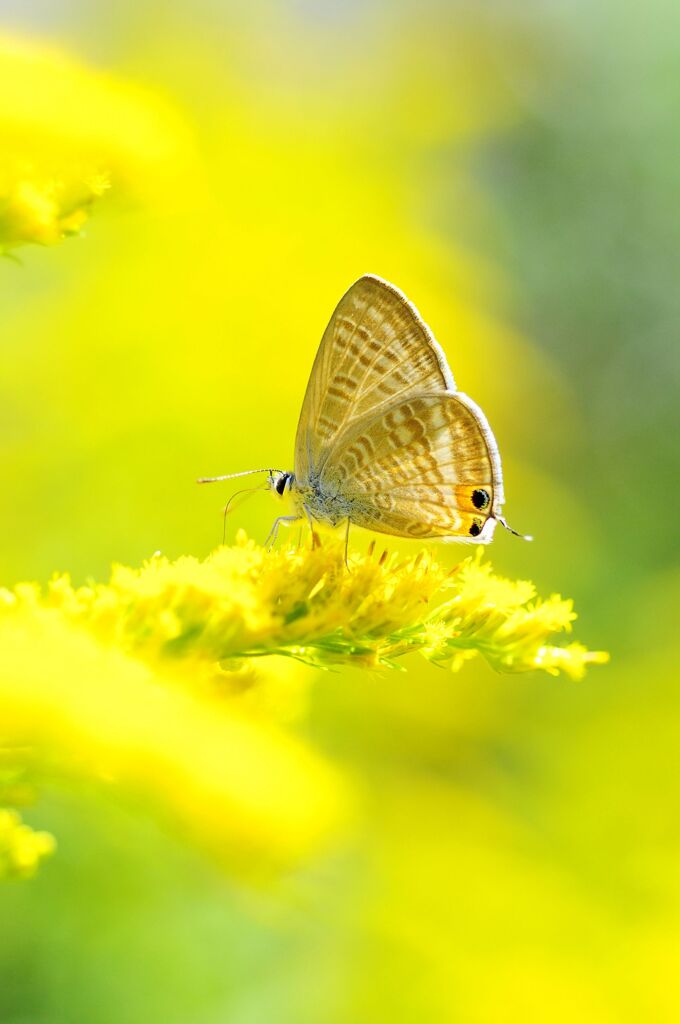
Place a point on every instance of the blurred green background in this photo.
(513, 168)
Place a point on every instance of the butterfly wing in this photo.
(375, 350)
(425, 467)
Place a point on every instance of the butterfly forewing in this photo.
(426, 466)
(376, 350)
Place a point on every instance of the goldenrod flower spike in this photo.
(244, 602)
(135, 681)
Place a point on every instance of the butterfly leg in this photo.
(273, 533)
(315, 540)
(347, 544)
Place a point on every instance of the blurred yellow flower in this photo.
(235, 783)
(43, 209)
(67, 133)
(21, 848)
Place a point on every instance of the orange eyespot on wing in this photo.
(422, 520)
(427, 466)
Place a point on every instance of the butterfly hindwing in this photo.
(376, 350)
(425, 466)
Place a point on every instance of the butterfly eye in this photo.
(475, 529)
(480, 499)
(280, 484)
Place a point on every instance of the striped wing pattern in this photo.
(412, 469)
(375, 350)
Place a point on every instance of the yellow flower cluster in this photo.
(21, 848)
(135, 681)
(66, 132)
(244, 602)
(45, 207)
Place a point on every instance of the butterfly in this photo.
(384, 440)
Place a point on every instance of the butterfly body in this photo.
(384, 440)
(324, 503)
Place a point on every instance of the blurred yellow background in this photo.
(511, 167)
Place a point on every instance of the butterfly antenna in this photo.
(231, 476)
(522, 536)
(245, 490)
